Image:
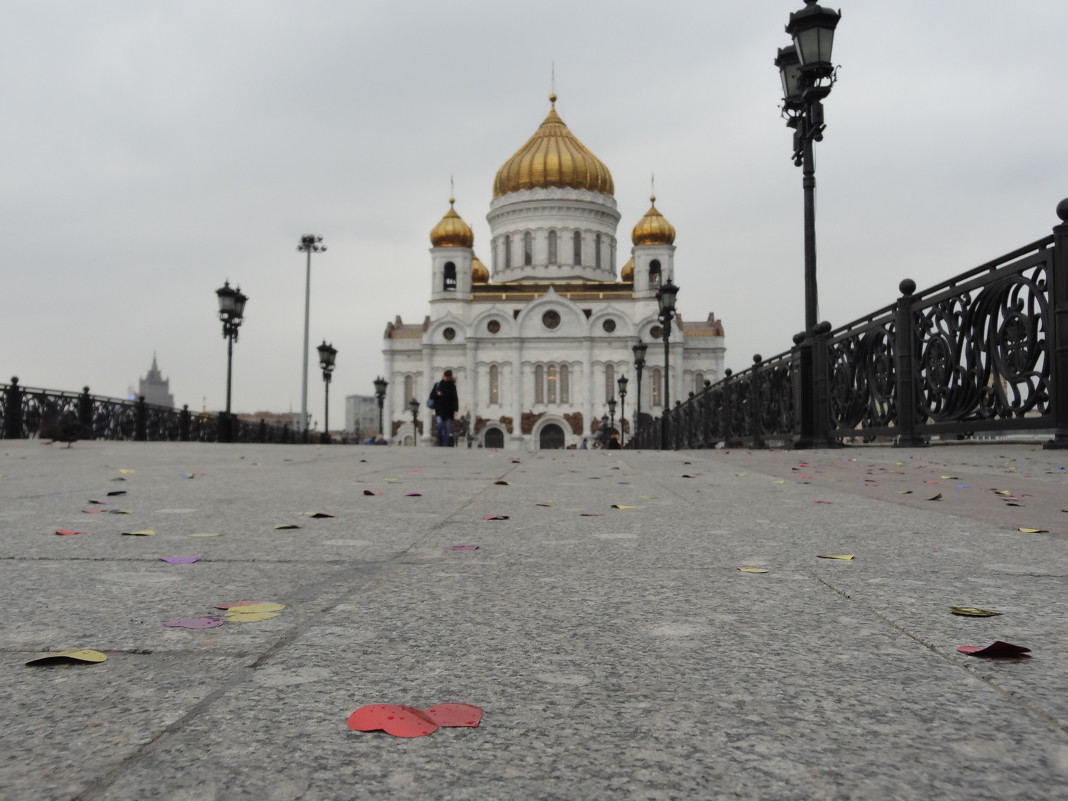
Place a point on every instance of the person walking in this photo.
(446, 404)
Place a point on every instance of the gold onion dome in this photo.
(479, 273)
(553, 156)
(627, 273)
(653, 229)
(452, 231)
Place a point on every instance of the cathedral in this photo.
(538, 341)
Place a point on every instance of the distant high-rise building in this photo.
(155, 388)
(361, 414)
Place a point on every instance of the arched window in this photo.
(654, 272)
(550, 383)
(507, 251)
(409, 393)
(698, 382)
(597, 251)
(552, 247)
(528, 248)
(563, 384)
(609, 381)
(450, 277)
(655, 383)
(539, 384)
(494, 385)
(576, 240)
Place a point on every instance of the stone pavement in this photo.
(620, 655)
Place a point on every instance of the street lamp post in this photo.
(309, 244)
(413, 404)
(807, 75)
(665, 298)
(612, 413)
(231, 312)
(622, 382)
(380, 396)
(639, 365)
(327, 354)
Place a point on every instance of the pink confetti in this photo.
(179, 560)
(996, 650)
(462, 548)
(494, 517)
(194, 623)
(67, 532)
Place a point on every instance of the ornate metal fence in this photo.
(31, 412)
(980, 352)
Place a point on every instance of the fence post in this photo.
(141, 420)
(755, 405)
(706, 419)
(1058, 301)
(13, 410)
(85, 414)
(906, 369)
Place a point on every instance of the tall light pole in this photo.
(639, 365)
(380, 396)
(665, 299)
(622, 382)
(231, 312)
(807, 75)
(309, 243)
(612, 412)
(327, 355)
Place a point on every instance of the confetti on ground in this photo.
(65, 532)
(414, 494)
(205, 534)
(79, 656)
(179, 560)
(590, 514)
(284, 526)
(237, 603)
(189, 475)
(100, 503)
(462, 548)
(127, 472)
(752, 570)
(778, 482)
(120, 511)
(194, 623)
(686, 476)
(143, 533)
(996, 650)
(391, 480)
(250, 608)
(621, 506)
(550, 505)
(113, 493)
(842, 556)
(501, 483)
(1002, 492)
(495, 517)
(235, 616)
(319, 514)
(821, 501)
(371, 492)
(1033, 530)
(408, 721)
(93, 511)
(937, 497)
(971, 611)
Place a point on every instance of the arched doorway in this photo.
(494, 438)
(551, 436)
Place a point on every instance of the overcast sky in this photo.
(153, 149)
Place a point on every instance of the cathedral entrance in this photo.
(552, 436)
(494, 438)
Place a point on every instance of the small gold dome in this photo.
(452, 231)
(653, 229)
(479, 273)
(553, 156)
(627, 273)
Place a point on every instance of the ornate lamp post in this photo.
(413, 404)
(665, 298)
(807, 77)
(622, 382)
(327, 354)
(639, 365)
(309, 243)
(612, 413)
(231, 312)
(380, 396)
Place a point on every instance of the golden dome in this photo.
(479, 273)
(553, 156)
(653, 229)
(452, 231)
(627, 273)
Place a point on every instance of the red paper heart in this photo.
(455, 714)
(400, 721)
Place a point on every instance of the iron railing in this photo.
(25, 411)
(980, 352)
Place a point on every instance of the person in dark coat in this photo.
(446, 405)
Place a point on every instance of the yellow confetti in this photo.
(904, 492)
(1003, 492)
(778, 482)
(391, 480)
(1034, 530)
(81, 655)
(143, 533)
(619, 506)
(126, 471)
(753, 570)
(251, 617)
(953, 478)
(249, 609)
(205, 534)
(971, 611)
(844, 556)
